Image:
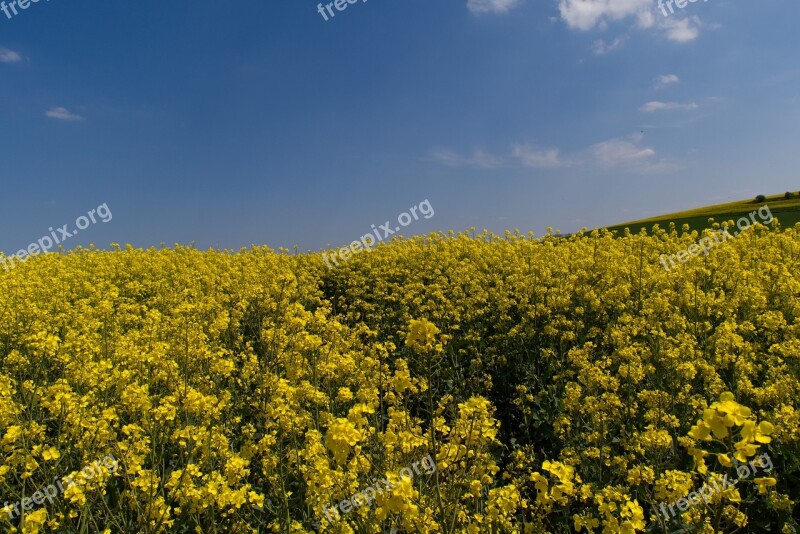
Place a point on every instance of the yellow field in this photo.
(442, 384)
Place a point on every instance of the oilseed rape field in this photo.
(447, 383)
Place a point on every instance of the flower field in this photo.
(560, 384)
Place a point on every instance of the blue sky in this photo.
(230, 124)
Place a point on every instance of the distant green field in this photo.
(787, 211)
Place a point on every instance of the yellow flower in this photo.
(344, 394)
(341, 437)
(744, 450)
(728, 406)
(13, 433)
(34, 521)
(75, 495)
(31, 464)
(51, 453)
(717, 422)
(699, 460)
(421, 335)
(701, 431)
(760, 433)
(764, 483)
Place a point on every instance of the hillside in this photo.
(786, 210)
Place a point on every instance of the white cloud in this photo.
(625, 153)
(521, 155)
(478, 158)
(532, 156)
(622, 152)
(628, 153)
(62, 114)
(666, 79)
(662, 106)
(601, 48)
(9, 56)
(589, 14)
(491, 6)
(681, 30)
(586, 14)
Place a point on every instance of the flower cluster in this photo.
(716, 423)
(558, 383)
